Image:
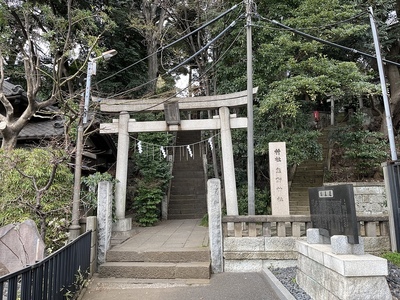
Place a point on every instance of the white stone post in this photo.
(215, 224)
(104, 217)
(228, 164)
(91, 224)
(122, 224)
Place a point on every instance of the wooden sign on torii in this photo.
(124, 125)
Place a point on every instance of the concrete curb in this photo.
(277, 286)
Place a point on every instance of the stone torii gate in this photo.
(124, 125)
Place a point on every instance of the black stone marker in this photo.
(333, 211)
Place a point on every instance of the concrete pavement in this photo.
(232, 286)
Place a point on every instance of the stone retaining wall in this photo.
(253, 254)
(324, 275)
(370, 197)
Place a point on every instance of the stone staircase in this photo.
(157, 264)
(308, 174)
(173, 249)
(188, 195)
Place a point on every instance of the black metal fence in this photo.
(58, 276)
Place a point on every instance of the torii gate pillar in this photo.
(122, 223)
(228, 163)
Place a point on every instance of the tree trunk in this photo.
(9, 139)
(154, 16)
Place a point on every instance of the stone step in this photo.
(187, 206)
(188, 203)
(156, 270)
(187, 173)
(189, 198)
(197, 215)
(187, 192)
(307, 182)
(166, 255)
(298, 192)
(300, 212)
(299, 199)
(309, 172)
(190, 180)
(185, 188)
(183, 205)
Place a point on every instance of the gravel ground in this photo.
(287, 276)
(394, 281)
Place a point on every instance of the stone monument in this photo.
(20, 246)
(278, 179)
(332, 263)
(333, 211)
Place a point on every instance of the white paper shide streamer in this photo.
(163, 152)
(210, 142)
(189, 151)
(139, 146)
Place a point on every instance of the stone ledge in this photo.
(321, 282)
(345, 265)
(256, 244)
(235, 244)
(284, 255)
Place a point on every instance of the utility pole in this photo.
(74, 229)
(389, 123)
(250, 130)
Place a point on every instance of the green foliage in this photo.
(81, 281)
(301, 139)
(89, 195)
(262, 201)
(147, 201)
(152, 177)
(364, 149)
(25, 174)
(393, 257)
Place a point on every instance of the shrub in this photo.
(262, 201)
(151, 181)
(363, 149)
(89, 195)
(37, 184)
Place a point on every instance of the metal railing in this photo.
(295, 225)
(58, 276)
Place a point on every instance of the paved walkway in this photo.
(175, 234)
(181, 234)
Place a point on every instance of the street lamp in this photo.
(91, 70)
(74, 229)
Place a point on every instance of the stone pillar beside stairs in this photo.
(215, 224)
(104, 216)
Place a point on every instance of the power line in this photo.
(192, 82)
(174, 42)
(327, 42)
(202, 49)
(222, 33)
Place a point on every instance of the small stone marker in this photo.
(279, 179)
(333, 211)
